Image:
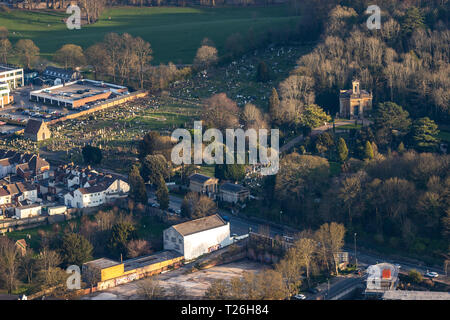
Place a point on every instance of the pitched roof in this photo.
(199, 225)
(231, 187)
(33, 126)
(197, 177)
(93, 189)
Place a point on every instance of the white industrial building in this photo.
(197, 237)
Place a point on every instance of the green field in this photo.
(175, 33)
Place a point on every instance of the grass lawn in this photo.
(175, 33)
(349, 127)
(335, 168)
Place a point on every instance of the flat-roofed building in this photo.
(5, 97)
(77, 94)
(28, 211)
(197, 237)
(11, 75)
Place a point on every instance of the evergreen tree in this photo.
(162, 195)
(342, 150)
(76, 249)
(368, 151)
(137, 185)
(413, 20)
(424, 134)
(274, 105)
(313, 117)
(262, 74)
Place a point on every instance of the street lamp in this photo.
(281, 212)
(356, 260)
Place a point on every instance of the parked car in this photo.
(226, 218)
(299, 297)
(431, 274)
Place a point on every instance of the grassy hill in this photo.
(174, 33)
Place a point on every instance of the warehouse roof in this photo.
(101, 263)
(199, 225)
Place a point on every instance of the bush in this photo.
(415, 276)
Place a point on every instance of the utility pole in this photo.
(356, 260)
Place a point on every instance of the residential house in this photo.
(28, 211)
(233, 193)
(103, 192)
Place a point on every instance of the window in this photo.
(173, 239)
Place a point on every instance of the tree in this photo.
(121, 233)
(368, 151)
(26, 51)
(196, 206)
(143, 51)
(151, 289)
(155, 168)
(313, 116)
(162, 194)
(5, 50)
(337, 233)
(413, 20)
(274, 105)
(262, 73)
(425, 134)
(253, 118)
(220, 112)
(28, 264)
(234, 172)
(91, 155)
(324, 141)
(390, 119)
(299, 177)
(136, 248)
(97, 56)
(342, 150)
(70, 55)
(76, 249)
(305, 251)
(137, 185)
(9, 263)
(415, 276)
(206, 56)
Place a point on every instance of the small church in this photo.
(37, 130)
(355, 102)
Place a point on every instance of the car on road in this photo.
(431, 274)
(226, 218)
(155, 205)
(299, 297)
(178, 211)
